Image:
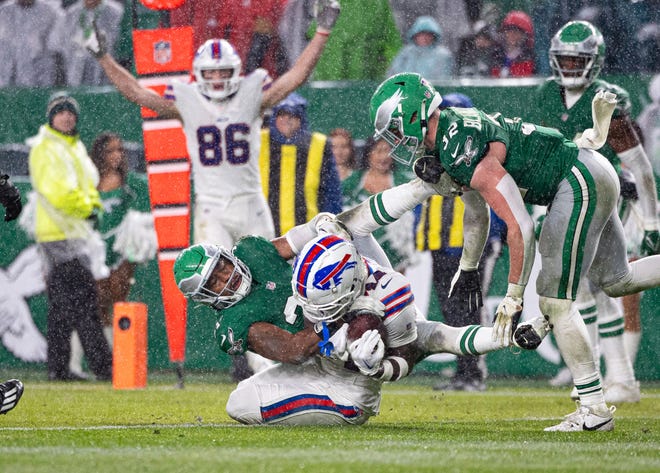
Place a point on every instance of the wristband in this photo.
(515, 290)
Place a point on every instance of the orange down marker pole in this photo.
(129, 358)
(160, 56)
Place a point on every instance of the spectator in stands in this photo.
(70, 31)
(65, 180)
(363, 44)
(425, 52)
(126, 227)
(26, 59)
(249, 25)
(378, 174)
(298, 170)
(518, 45)
(481, 52)
(454, 17)
(343, 149)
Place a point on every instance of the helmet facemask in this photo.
(217, 55)
(194, 272)
(400, 109)
(578, 41)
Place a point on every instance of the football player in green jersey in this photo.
(504, 164)
(576, 54)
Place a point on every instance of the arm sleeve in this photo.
(638, 162)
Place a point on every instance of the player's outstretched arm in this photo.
(124, 81)
(277, 344)
(306, 62)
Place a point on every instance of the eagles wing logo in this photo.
(236, 345)
(330, 276)
(468, 153)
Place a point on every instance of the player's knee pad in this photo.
(557, 311)
(244, 404)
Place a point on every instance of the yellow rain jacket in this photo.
(65, 180)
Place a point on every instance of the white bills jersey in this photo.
(223, 137)
(393, 290)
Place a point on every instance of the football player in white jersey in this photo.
(221, 112)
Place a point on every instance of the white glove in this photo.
(327, 223)
(367, 352)
(95, 41)
(602, 107)
(506, 318)
(368, 304)
(335, 346)
(326, 13)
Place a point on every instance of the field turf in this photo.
(89, 427)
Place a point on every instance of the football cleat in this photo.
(529, 335)
(616, 393)
(10, 393)
(586, 419)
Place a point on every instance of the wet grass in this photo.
(89, 427)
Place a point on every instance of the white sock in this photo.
(631, 341)
(610, 328)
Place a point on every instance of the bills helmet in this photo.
(328, 275)
(583, 42)
(213, 55)
(399, 110)
(193, 268)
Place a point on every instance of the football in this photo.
(362, 322)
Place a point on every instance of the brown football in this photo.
(363, 322)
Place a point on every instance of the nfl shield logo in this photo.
(162, 52)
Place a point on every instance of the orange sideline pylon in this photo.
(129, 357)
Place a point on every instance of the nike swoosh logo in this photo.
(597, 426)
(453, 155)
(384, 285)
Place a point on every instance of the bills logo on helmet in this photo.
(162, 52)
(330, 276)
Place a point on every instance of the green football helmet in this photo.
(399, 110)
(193, 268)
(583, 42)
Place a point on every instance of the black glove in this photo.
(628, 186)
(428, 169)
(466, 286)
(10, 198)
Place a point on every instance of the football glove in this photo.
(328, 12)
(10, 198)
(428, 169)
(650, 243)
(506, 319)
(333, 346)
(95, 41)
(367, 352)
(466, 286)
(327, 223)
(628, 188)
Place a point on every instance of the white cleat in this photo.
(10, 393)
(616, 393)
(586, 419)
(529, 335)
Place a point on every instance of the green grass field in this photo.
(89, 427)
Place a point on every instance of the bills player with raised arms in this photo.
(221, 112)
(250, 286)
(506, 163)
(577, 53)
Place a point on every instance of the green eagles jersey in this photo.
(116, 204)
(537, 158)
(572, 122)
(271, 288)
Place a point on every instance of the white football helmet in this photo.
(583, 42)
(193, 268)
(328, 276)
(213, 55)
